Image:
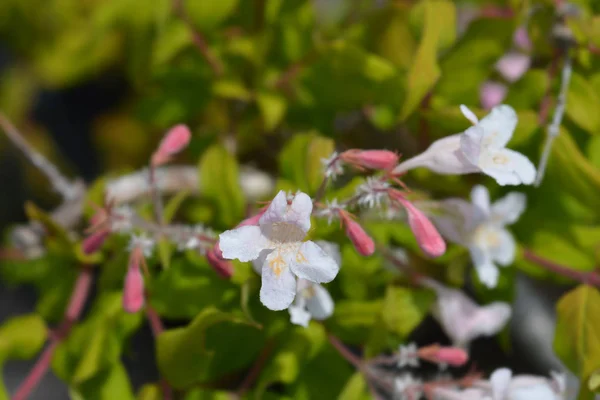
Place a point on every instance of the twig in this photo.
(199, 40)
(255, 370)
(590, 278)
(554, 127)
(73, 312)
(59, 182)
(344, 352)
(158, 328)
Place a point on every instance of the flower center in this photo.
(500, 159)
(284, 232)
(486, 237)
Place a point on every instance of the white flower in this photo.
(408, 356)
(330, 211)
(480, 227)
(121, 219)
(373, 192)
(464, 320)
(524, 387)
(333, 166)
(312, 301)
(481, 148)
(142, 242)
(277, 244)
(406, 387)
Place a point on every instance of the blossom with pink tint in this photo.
(362, 242)
(133, 289)
(176, 139)
(513, 65)
(428, 238)
(453, 356)
(221, 266)
(94, 242)
(371, 159)
(492, 94)
(253, 220)
(521, 39)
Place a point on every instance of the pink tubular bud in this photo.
(362, 242)
(221, 266)
(453, 356)
(253, 220)
(176, 139)
(133, 289)
(94, 242)
(492, 94)
(428, 238)
(372, 159)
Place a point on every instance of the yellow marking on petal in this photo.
(277, 264)
(300, 258)
(500, 159)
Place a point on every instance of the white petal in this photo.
(443, 156)
(278, 285)
(470, 115)
(331, 248)
(498, 126)
(509, 208)
(244, 243)
(513, 65)
(299, 316)
(313, 264)
(457, 220)
(486, 321)
(504, 251)
(481, 198)
(260, 261)
(537, 392)
(320, 305)
(500, 379)
(471, 142)
(297, 213)
(508, 167)
(486, 270)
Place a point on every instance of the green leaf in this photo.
(173, 205)
(577, 335)
(272, 107)
(110, 384)
(150, 392)
(594, 381)
(231, 89)
(355, 389)
(299, 346)
(22, 337)
(300, 160)
(182, 353)
(425, 71)
(582, 104)
(219, 180)
(207, 15)
(404, 309)
(54, 230)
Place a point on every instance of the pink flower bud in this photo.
(221, 266)
(362, 242)
(93, 242)
(428, 238)
(133, 290)
(253, 220)
(372, 159)
(176, 139)
(521, 39)
(513, 65)
(492, 94)
(454, 356)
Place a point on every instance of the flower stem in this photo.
(75, 307)
(157, 328)
(588, 277)
(256, 368)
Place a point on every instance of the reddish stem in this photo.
(256, 368)
(589, 278)
(157, 328)
(79, 295)
(344, 352)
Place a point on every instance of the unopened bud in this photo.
(253, 220)
(428, 238)
(492, 94)
(94, 242)
(372, 159)
(362, 242)
(221, 266)
(176, 139)
(453, 356)
(133, 289)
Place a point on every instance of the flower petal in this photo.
(278, 286)
(500, 380)
(457, 220)
(244, 243)
(260, 261)
(486, 321)
(504, 251)
(320, 304)
(508, 167)
(297, 213)
(481, 198)
(486, 270)
(540, 391)
(331, 248)
(498, 126)
(470, 115)
(509, 208)
(313, 264)
(299, 315)
(471, 142)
